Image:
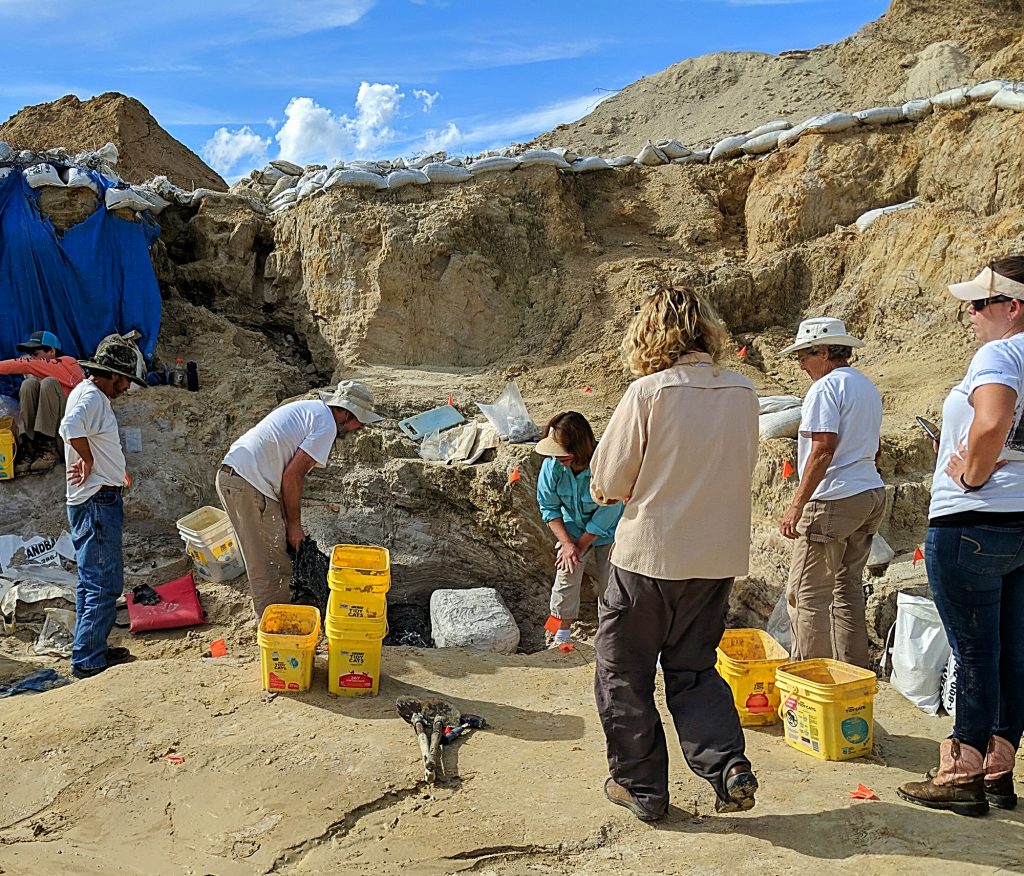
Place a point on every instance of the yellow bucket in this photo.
(360, 567)
(287, 637)
(353, 656)
(747, 660)
(345, 605)
(8, 448)
(827, 707)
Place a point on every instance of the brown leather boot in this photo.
(46, 457)
(958, 785)
(999, 761)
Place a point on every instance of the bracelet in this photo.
(968, 488)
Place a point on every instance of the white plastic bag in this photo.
(949, 686)
(58, 633)
(920, 652)
(880, 554)
(509, 416)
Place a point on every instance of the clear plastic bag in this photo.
(58, 633)
(509, 416)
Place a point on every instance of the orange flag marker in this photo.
(918, 555)
(218, 648)
(743, 352)
(451, 400)
(787, 470)
(552, 624)
(863, 793)
(587, 389)
(565, 647)
(514, 475)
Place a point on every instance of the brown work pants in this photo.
(825, 591)
(683, 621)
(258, 522)
(41, 407)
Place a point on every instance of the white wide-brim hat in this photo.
(821, 330)
(356, 398)
(987, 284)
(548, 446)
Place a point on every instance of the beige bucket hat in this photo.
(987, 284)
(354, 397)
(821, 330)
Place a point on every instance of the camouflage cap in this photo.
(117, 357)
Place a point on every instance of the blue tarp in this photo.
(96, 280)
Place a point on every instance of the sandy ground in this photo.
(315, 784)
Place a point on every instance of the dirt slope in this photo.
(145, 149)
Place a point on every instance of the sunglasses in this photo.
(979, 304)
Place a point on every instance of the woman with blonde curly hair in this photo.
(680, 449)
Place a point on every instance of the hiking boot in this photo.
(740, 787)
(82, 672)
(999, 762)
(958, 784)
(45, 459)
(23, 459)
(119, 655)
(623, 797)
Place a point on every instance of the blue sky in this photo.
(242, 81)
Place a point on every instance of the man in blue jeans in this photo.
(96, 478)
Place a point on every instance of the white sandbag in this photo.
(269, 175)
(949, 686)
(791, 135)
(310, 183)
(282, 185)
(762, 143)
(117, 199)
(283, 199)
(918, 110)
(6, 152)
(399, 164)
(399, 179)
(358, 179)
(446, 173)
(376, 167)
(770, 404)
(456, 162)
(39, 175)
(881, 115)
(621, 160)
(651, 156)
(78, 178)
(157, 204)
(701, 156)
(567, 154)
(769, 128)
(987, 90)
(780, 424)
(832, 123)
(920, 652)
(951, 98)
(590, 164)
(474, 618)
(287, 167)
(493, 163)
(107, 153)
(1009, 98)
(543, 158)
(880, 554)
(673, 149)
(866, 220)
(5, 172)
(728, 147)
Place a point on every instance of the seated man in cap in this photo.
(261, 479)
(49, 378)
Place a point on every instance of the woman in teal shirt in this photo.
(584, 529)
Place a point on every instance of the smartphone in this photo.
(929, 427)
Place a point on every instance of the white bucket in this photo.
(211, 542)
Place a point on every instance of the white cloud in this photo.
(440, 141)
(227, 148)
(376, 107)
(529, 124)
(493, 53)
(427, 97)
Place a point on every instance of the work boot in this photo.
(46, 456)
(740, 787)
(999, 762)
(621, 796)
(958, 784)
(23, 459)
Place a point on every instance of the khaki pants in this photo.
(42, 406)
(565, 592)
(825, 592)
(259, 526)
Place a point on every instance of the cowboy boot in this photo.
(958, 785)
(999, 762)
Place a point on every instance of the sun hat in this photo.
(821, 330)
(117, 357)
(356, 398)
(548, 446)
(40, 341)
(987, 284)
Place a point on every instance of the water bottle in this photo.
(192, 376)
(178, 376)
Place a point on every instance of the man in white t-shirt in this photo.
(261, 479)
(840, 500)
(96, 479)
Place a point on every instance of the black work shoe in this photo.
(1000, 792)
(82, 672)
(740, 787)
(623, 797)
(119, 655)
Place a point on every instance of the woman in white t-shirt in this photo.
(975, 552)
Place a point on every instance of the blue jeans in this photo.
(976, 575)
(96, 532)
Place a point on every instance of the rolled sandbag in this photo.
(622, 160)
(728, 147)
(832, 123)
(399, 179)
(701, 156)
(39, 175)
(117, 199)
(543, 158)
(283, 199)
(269, 175)
(358, 179)
(866, 220)
(987, 90)
(311, 183)
(789, 136)
(673, 149)
(881, 115)
(78, 178)
(380, 168)
(282, 185)
(762, 143)
(780, 424)
(437, 172)
(770, 404)
(951, 98)
(567, 154)
(287, 167)
(493, 163)
(651, 156)
(918, 110)
(1009, 98)
(590, 164)
(157, 203)
(769, 128)
(6, 152)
